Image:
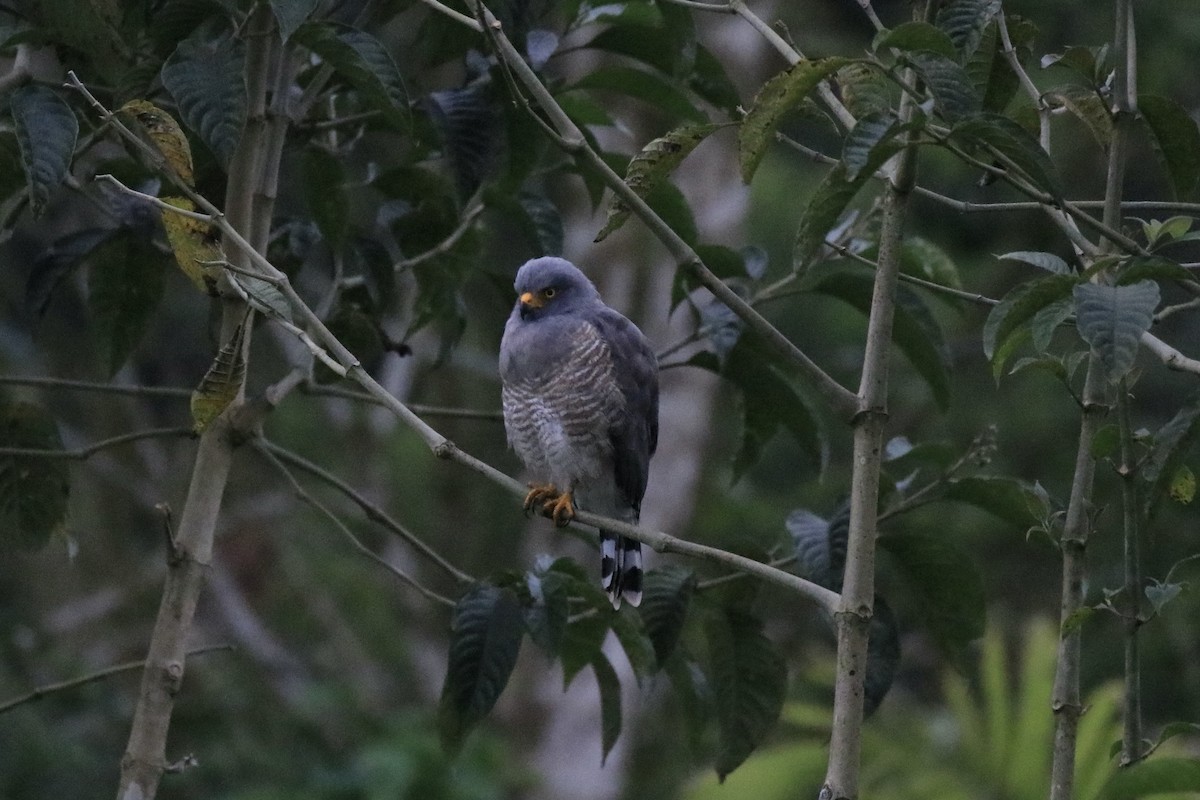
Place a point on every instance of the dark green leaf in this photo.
(323, 178)
(869, 133)
(581, 644)
(360, 333)
(363, 61)
(125, 282)
(1176, 139)
(545, 223)
(922, 258)
(820, 545)
(666, 596)
(1105, 442)
(1112, 319)
(1155, 268)
(1046, 261)
(883, 656)
(829, 200)
(610, 704)
(864, 89)
(291, 14)
(651, 166)
(944, 583)
(92, 29)
(964, 22)
(915, 36)
(948, 83)
(1000, 137)
(1047, 321)
(546, 617)
(206, 79)
(485, 638)
(1156, 776)
(670, 204)
(33, 491)
(709, 80)
(642, 85)
(777, 96)
(636, 642)
(470, 130)
(914, 329)
(1172, 442)
(46, 130)
(1013, 500)
(1007, 320)
(990, 71)
(1090, 108)
(749, 680)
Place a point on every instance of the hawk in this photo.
(580, 392)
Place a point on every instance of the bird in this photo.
(579, 384)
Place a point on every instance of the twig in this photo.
(91, 386)
(91, 677)
(464, 225)
(357, 543)
(1170, 357)
(84, 453)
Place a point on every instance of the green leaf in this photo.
(545, 225)
(485, 638)
(1006, 320)
(125, 282)
(636, 642)
(581, 642)
(206, 79)
(777, 96)
(263, 296)
(951, 87)
(945, 585)
(964, 22)
(1176, 140)
(864, 89)
(1047, 321)
(666, 597)
(221, 383)
(1000, 137)
(1183, 485)
(869, 133)
(1046, 261)
(323, 179)
(1105, 442)
(1172, 442)
(1090, 108)
(989, 69)
(670, 204)
(291, 14)
(1155, 776)
(470, 129)
(820, 545)
(1010, 499)
(923, 258)
(610, 704)
(1112, 319)
(915, 36)
(33, 491)
(46, 129)
(546, 617)
(651, 166)
(914, 329)
(749, 680)
(363, 61)
(642, 85)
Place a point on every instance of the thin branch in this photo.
(84, 453)
(1170, 357)
(91, 677)
(91, 386)
(306, 497)
(464, 225)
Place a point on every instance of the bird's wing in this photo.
(634, 432)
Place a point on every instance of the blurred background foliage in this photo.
(332, 688)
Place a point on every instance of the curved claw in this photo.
(540, 494)
(561, 509)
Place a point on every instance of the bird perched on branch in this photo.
(580, 391)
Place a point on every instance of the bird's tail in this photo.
(621, 569)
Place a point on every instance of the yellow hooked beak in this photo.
(532, 300)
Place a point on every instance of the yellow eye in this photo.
(549, 292)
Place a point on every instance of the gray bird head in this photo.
(550, 286)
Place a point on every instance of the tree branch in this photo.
(84, 453)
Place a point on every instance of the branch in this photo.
(1170, 357)
(464, 225)
(90, 386)
(129, 666)
(84, 453)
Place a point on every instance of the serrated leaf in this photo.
(749, 680)
(33, 491)
(1001, 137)
(883, 656)
(46, 130)
(1090, 108)
(291, 14)
(1006, 320)
(1010, 499)
(162, 131)
(666, 597)
(1176, 140)
(1046, 261)
(470, 130)
(1151, 777)
(1112, 319)
(363, 61)
(194, 244)
(642, 85)
(949, 84)
(914, 329)
(864, 89)
(125, 282)
(485, 638)
(323, 179)
(915, 35)
(206, 78)
(221, 383)
(610, 705)
(777, 96)
(944, 583)
(964, 22)
(651, 166)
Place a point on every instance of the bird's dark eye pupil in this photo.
(549, 291)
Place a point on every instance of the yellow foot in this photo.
(561, 509)
(540, 495)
